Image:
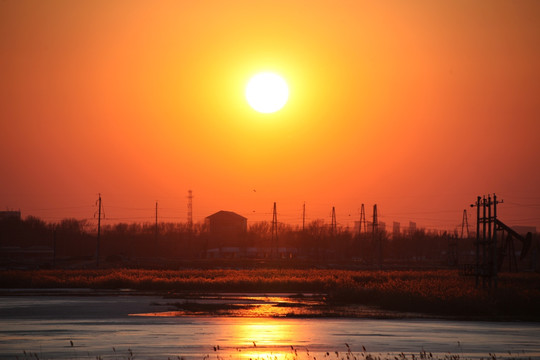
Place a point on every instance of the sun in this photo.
(267, 92)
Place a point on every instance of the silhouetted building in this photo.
(412, 227)
(226, 225)
(381, 226)
(396, 229)
(227, 232)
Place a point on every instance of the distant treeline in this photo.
(34, 241)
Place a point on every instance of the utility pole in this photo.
(156, 235)
(490, 251)
(274, 230)
(304, 217)
(376, 237)
(190, 211)
(477, 243)
(494, 242)
(54, 246)
(486, 240)
(98, 229)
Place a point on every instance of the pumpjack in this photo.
(507, 245)
(490, 252)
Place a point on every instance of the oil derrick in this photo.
(274, 238)
(333, 225)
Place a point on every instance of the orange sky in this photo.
(417, 106)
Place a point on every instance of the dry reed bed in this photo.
(441, 292)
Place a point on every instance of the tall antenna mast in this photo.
(274, 229)
(333, 226)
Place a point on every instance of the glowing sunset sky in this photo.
(417, 106)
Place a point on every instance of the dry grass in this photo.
(292, 354)
(442, 292)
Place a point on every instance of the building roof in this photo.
(226, 214)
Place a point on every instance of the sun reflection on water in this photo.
(263, 333)
(265, 339)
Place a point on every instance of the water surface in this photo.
(106, 326)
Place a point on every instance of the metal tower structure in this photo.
(333, 225)
(98, 202)
(453, 240)
(489, 254)
(156, 229)
(486, 240)
(304, 217)
(274, 230)
(362, 224)
(376, 236)
(190, 211)
(464, 224)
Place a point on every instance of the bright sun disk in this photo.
(267, 92)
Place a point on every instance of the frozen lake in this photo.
(105, 326)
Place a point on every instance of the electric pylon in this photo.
(362, 220)
(274, 230)
(464, 224)
(333, 226)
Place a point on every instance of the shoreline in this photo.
(236, 304)
(442, 294)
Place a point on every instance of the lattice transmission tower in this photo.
(274, 230)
